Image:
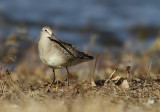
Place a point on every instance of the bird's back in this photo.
(70, 53)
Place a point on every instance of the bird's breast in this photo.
(56, 60)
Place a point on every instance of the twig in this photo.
(2, 89)
(94, 69)
(149, 69)
(129, 66)
(95, 64)
(128, 71)
(1, 67)
(115, 70)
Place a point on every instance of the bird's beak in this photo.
(54, 37)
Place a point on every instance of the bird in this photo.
(58, 54)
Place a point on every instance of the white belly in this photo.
(56, 61)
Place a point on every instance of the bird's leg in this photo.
(67, 77)
(53, 78)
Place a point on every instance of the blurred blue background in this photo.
(113, 22)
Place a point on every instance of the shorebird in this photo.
(58, 54)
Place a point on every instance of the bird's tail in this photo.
(91, 57)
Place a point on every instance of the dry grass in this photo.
(26, 87)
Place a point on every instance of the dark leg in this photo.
(67, 77)
(53, 78)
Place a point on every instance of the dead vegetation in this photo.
(111, 82)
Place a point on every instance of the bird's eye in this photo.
(45, 30)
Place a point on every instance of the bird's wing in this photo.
(69, 48)
(82, 55)
(77, 54)
(68, 44)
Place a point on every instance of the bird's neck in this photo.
(45, 41)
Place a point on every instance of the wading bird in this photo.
(58, 54)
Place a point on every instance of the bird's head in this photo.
(47, 32)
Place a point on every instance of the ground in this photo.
(24, 84)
